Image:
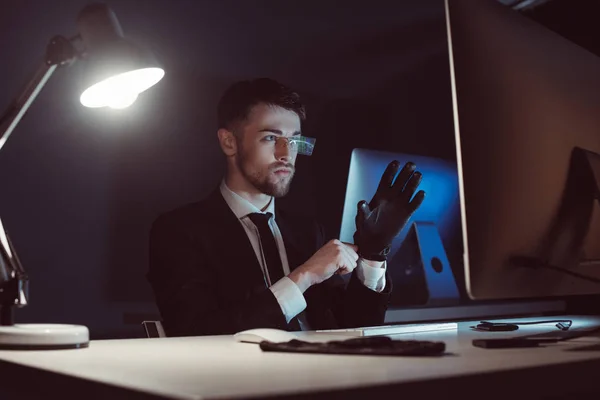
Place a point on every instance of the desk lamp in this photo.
(117, 72)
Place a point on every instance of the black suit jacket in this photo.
(207, 280)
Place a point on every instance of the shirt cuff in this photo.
(289, 296)
(371, 277)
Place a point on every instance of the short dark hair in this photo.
(239, 98)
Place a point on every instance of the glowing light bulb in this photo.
(121, 91)
(122, 100)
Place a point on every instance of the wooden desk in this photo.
(218, 367)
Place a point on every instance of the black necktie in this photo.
(269, 247)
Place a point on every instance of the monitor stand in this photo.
(420, 270)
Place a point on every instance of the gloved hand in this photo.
(378, 222)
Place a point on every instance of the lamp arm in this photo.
(14, 281)
(60, 51)
(15, 112)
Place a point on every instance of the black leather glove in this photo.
(378, 222)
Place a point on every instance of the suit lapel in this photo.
(232, 246)
(234, 250)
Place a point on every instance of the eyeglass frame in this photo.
(300, 139)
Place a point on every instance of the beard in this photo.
(262, 180)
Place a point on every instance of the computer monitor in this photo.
(526, 101)
(420, 257)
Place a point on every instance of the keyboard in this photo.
(393, 329)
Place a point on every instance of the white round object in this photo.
(43, 337)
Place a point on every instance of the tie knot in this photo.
(260, 218)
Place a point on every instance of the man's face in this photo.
(263, 157)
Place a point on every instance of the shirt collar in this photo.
(240, 206)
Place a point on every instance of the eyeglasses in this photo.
(303, 145)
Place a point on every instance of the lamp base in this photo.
(43, 337)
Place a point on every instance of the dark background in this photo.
(81, 187)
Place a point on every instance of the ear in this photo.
(227, 142)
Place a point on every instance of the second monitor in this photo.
(425, 258)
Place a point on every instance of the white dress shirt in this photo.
(288, 295)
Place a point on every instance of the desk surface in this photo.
(219, 367)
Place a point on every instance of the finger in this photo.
(416, 201)
(403, 177)
(351, 246)
(351, 259)
(411, 186)
(361, 212)
(385, 183)
(342, 271)
(349, 263)
(387, 178)
(351, 251)
(346, 262)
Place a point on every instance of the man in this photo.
(236, 261)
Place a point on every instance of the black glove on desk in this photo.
(378, 222)
(370, 346)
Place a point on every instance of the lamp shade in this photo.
(117, 69)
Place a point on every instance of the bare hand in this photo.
(333, 257)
